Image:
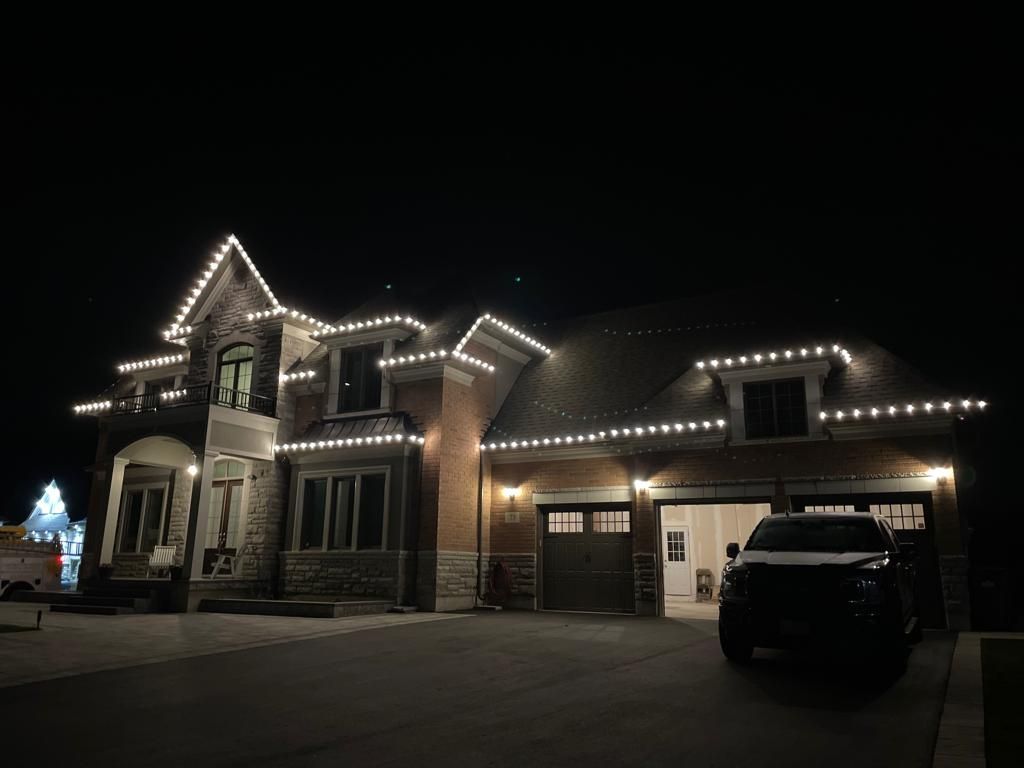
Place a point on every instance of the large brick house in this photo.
(429, 455)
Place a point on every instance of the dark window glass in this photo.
(153, 517)
(314, 497)
(132, 520)
(793, 534)
(359, 388)
(775, 409)
(234, 378)
(343, 514)
(157, 386)
(371, 511)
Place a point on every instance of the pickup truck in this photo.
(834, 581)
(28, 565)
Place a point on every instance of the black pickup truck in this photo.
(826, 581)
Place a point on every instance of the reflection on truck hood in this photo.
(758, 557)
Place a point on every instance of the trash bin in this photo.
(704, 582)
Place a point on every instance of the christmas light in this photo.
(509, 329)
(154, 362)
(789, 354)
(326, 329)
(907, 409)
(298, 375)
(423, 357)
(351, 442)
(98, 405)
(212, 267)
(604, 436)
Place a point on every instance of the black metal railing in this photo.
(198, 394)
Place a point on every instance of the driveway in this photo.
(504, 689)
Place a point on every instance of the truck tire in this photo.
(736, 646)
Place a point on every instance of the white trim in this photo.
(597, 495)
(331, 475)
(777, 371)
(813, 373)
(691, 492)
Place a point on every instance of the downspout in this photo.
(478, 599)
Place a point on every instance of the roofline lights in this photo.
(298, 375)
(316, 445)
(325, 329)
(907, 409)
(676, 428)
(425, 357)
(154, 362)
(93, 407)
(508, 329)
(787, 355)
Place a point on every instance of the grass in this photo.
(1002, 669)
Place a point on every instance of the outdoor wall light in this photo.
(192, 469)
(641, 485)
(941, 473)
(510, 492)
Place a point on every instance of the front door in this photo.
(222, 525)
(676, 555)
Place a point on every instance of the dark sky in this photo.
(881, 187)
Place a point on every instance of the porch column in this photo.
(198, 514)
(113, 510)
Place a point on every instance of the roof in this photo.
(379, 426)
(638, 366)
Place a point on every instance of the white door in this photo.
(676, 546)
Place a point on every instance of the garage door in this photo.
(588, 561)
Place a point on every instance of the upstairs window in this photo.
(775, 409)
(360, 385)
(236, 368)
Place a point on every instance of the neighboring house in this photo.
(402, 452)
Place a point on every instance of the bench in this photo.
(161, 559)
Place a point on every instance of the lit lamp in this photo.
(641, 485)
(192, 469)
(941, 474)
(510, 492)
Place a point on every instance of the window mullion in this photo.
(325, 542)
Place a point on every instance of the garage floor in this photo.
(688, 608)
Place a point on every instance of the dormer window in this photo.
(775, 409)
(360, 385)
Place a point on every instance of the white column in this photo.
(199, 514)
(113, 511)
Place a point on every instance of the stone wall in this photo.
(645, 584)
(177, 516)
(130, 565)
(264, 527)
(446, 581)
(341, 574)
(523, 573)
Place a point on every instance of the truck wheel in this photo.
(735, 645)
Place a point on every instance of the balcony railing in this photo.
(198, 394)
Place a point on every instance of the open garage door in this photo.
(588, 561)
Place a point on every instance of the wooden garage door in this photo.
(588, 561)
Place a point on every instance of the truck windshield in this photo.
(793, 534)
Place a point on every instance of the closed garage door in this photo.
(588, 561)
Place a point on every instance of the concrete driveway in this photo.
(505, 689)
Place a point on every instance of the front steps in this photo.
(308, 608)
(102, 601)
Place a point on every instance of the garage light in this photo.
(941, 473)
(510, 492)
(641, 485)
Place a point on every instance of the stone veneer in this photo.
(177, 516)
(370, 574)
(446, 581)
(523, 572)
(130, 565)
(645, 583)
(264, 527)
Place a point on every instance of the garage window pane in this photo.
(565, 522)
(611, 522)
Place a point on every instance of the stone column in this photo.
(198, 515)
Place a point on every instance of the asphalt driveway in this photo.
(515, 689)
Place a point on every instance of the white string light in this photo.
(509, 329)
(907, 409)
(207, 275)
(154, 362)
(786, 356)
(93, 407)
(326, 329)
(423, 357)
(661, 430)
(179, 331)
(298, 375)
(319, 445)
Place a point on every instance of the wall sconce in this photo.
(641, 485)
(510, 492)
(192, 469)
(941, 474)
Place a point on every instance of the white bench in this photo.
(231, 563)
(161, 559)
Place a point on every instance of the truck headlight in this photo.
(734, 582)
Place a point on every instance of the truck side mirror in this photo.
(732, 549)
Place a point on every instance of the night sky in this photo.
(883, 189)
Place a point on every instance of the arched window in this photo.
(235, 365)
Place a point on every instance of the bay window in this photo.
(342, 511)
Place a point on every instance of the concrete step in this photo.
(132, 592)
(98, 610)
(308, 608)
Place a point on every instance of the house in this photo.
(429, 454)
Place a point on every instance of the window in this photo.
(234, 377)
(343, 511)
(611, 522)
(142, 517)
(902, 517)
(565, 522)
(359, 387)
(676, 541)
(775, 409)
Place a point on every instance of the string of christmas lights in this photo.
(298, 375)
(422, 357)
(154, 362)
(676, 428)
(330, 330)
(908, 409)
(349, 443)
(774, 357)
(97, 405)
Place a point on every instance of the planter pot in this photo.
(177, 572)
(106, 572)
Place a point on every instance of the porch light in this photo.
(192, 469)
(510, 492)
(940, 473)
(641, 485)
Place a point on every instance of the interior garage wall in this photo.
(712, 526)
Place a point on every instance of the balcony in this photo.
(198, 394)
